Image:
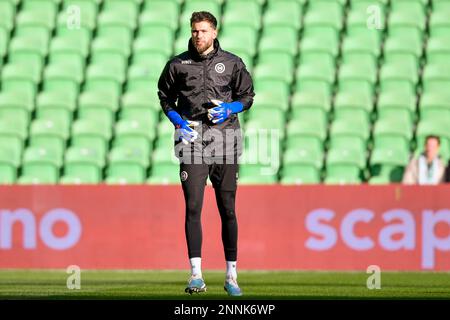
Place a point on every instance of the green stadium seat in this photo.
(39, 6)
(407, 18)
(91, 134)
(199, 5)
(310, 100)
(30, 40)
(242, 13)
(49, 134)
(40, 166)
(98, 105)
(284, 14)
(324, 13)
(146, 116)
(393, 104)
(56, 115)
(160, 13)
(438, 23)
(65, 76)
(77, 42)
(307, 127)
(398, 71)
(8, 166)
(78, 16)
(303, 156)
(164, 155)
(353, 103)
(257, 174)
(360, 10)
(344, 166)
(134, 133)
(164, 128)
(140, 99)
(83, 164)
(126, 165)
(360, 71)
(22, 72)
(273, 87)
(165, 174)
(387, 165)
(83, 155)
(404, 43)
(267, 69)
(16, 105)
(435, 106)
(141, 72)
(32, 18)
(109, 45)
(7, 11)
(115, 18)
(128, 9)
(237, 39)
(55, 100)
(270, 100)
(312, 73)
(12, 135)
(279, 39)
(360, 45)
(320, 40)
(154, 39)
(438, 49)
(299, 174)
(152, 62)
(392, 133)
(104, 77)
(436, 77)
(343, 135)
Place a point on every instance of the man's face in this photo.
(203, 35)
(432, 148)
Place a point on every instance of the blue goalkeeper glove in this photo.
(223, 110)
(184, 128)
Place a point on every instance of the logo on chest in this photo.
(219, 67)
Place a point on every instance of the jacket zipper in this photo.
(204, 81)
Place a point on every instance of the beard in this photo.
(203, 46)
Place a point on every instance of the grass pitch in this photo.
(51, 284)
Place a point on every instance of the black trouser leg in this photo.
(194, 176)
(226, 204)
(224, 180)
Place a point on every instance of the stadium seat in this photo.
(126, 165)
(83, 163)
(164, 174)
(284, 14)
(387, 165)
(91, 134)
(40, 166)
(345, 162)
(257, 174)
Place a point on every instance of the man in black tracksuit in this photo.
(201, 91)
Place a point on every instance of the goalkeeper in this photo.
(201, 91)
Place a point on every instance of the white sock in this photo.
(231, 269)
(196, 267)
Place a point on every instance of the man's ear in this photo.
(215, 33)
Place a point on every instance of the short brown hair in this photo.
(431, 136)
(204, 16)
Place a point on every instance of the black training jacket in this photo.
(189, 82)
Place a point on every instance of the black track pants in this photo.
(223, 178)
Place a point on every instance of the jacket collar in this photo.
(196, 56)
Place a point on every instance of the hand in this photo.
(184, 128)
(185, 132)
(223, 110)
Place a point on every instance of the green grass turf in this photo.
(51, 284)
